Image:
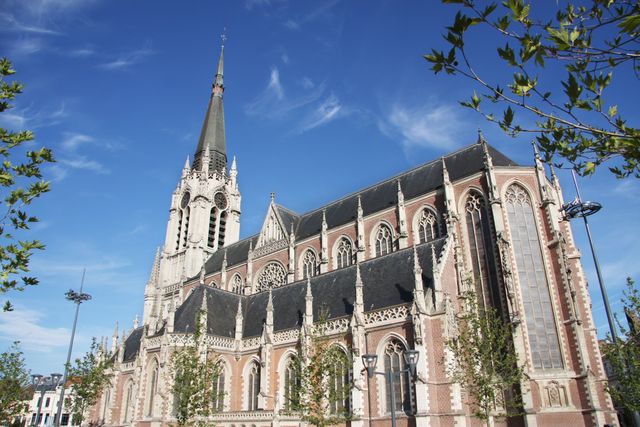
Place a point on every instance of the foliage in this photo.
(323, 385)
(21, 182)
(623, 356)
(89, 376)
(14, 384)
(194, 378)
(589, 40)
(484, 362)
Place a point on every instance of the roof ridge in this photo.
(395, 177)
(286, 209)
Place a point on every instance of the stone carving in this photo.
(555, 395)
(272, 276)
(387, 315)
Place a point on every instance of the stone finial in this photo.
(308, 311)
(206, 159)
(270, 308)
(135, 322)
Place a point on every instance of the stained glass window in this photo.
(540, 321)
(384, 240)
(272, 276)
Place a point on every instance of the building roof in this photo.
(388, 281)
(212, 134)
(415, 182)
(132, 344)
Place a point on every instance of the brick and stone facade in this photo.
(385, 268)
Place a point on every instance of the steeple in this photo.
(212, 134)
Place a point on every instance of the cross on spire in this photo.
(223, 36)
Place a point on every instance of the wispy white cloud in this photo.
(26, 325)
(291, 24)
(74, 140)
(272, 95)
(307, 83)
(82, 52)
(26, 46)
(328, 110)
(127, 59)
(422, 127)
(285, 58)
(323, 11)
(28, 118)
(9, 23)
(84, 163)
(251, 4)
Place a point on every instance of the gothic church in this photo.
(386, 266)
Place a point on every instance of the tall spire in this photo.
(213, 134)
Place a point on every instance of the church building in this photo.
(383, 269)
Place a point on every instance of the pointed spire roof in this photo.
(213, 134)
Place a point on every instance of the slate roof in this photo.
(132, 344)
(415, 182)
(388, 281)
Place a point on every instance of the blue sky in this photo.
(322, 98)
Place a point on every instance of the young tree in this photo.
(21, 182)
(14, 384)
(322, 371)
(483, 361)
(623, 356)
(195, 376)
(589, 40)
(89, 376)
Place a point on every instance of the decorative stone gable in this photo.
(273, 235)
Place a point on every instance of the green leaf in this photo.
(630, 24)
(613, 110)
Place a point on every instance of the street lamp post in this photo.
(579, 209)
(77, 298)
(410, 358)
(42, 382)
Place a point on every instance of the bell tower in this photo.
(205, 206)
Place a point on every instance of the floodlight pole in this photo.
(578, 208)
(77, 298)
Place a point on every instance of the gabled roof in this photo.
(388, 281)
(415, 182)
(132, 344)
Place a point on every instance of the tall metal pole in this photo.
(77, 298)
(392, 393)
(605, 298)
(39, 414)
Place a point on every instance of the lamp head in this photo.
(369, 361)
(35, 379)
(411, 359)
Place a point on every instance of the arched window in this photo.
(481, 250)
(222, 229)
(152, 388)
(292, 384)
(128, 396)
(107, 402)
(403, 391)
(384, 240)
(309, 264)
(211, 237)
(236, 284)
(272, 276)
(344, 253)
(253, 386)
(428, 228)
(179, 233)
(339, 382)
(218, 389)
(541, 325)
(185, 226)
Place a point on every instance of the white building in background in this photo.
(49, 395)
